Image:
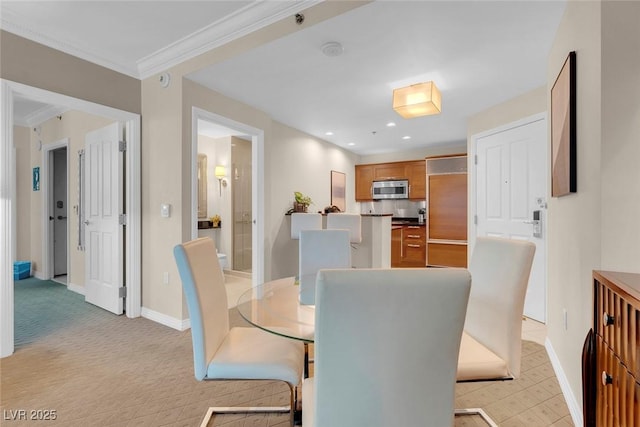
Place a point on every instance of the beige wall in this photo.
(22, 141)
(73, 125)
(575, 220)
(36, 65)
(620, 205)
(525, 105)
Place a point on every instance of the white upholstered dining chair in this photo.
(491, 344)
(407, 323)
(346, 221)
(221, 353)
(304, 221)
(320, 249)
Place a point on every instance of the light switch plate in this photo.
(165, 210)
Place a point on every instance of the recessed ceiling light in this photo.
(351, 144)
(406, 137)
(329, 133)
(390, 124)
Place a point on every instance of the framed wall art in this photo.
(564, 176)
(338, 188)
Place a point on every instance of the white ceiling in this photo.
(479, 53)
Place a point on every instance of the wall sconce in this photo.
(417, 100)
(220, 173)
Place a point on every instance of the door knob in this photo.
(51, 218)
(86, 222)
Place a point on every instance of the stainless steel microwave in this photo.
(398, 189)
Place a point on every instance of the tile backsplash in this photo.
(398, 208)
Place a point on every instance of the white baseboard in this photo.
(76, 288)
(163, 319)
(574, 405)
(39, 275)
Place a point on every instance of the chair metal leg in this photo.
(291, 408)
(477, 411)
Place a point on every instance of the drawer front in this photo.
(414, 232)
(446, 255)
(618, 391)
(618, 323)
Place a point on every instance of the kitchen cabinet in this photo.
(408, 246)
(413, 171)
(390, 171)
(416, 173)
(364, 182)
(446, 181)
(396, 246)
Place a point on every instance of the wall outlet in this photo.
(165, 278)
(565, 319)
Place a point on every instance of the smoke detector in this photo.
(332, 49)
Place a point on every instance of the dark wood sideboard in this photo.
(615, 371)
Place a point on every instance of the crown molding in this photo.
(41, 115)
(253, 17)
(8, 23)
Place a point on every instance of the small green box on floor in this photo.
(21, 270)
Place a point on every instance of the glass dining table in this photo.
(275, 307)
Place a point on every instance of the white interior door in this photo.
(511, 188)
(103, 205)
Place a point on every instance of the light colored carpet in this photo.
(97, 369)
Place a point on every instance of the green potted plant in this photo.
(301, 202)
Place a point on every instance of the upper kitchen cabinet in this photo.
(364, 182)
(414, 171)
(385, 171)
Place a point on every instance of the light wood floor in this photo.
(96, 369)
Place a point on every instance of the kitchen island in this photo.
(375, 249)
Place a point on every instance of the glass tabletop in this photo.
(274, 307)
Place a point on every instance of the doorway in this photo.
(510, 188)
(8, 210)
(245, 236)
(55, 161)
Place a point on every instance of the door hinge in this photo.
(122, 146)
(122, 292)
(475, 219)
(475, 159)
(122, 219)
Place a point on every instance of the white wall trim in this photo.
(163, 319)
(250, 18)
(7, 219)
(75, 288)
(574, 405)
(40, 115)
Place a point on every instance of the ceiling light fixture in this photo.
(391, 124)
(406, 137)
(329, 133)
(417, 100)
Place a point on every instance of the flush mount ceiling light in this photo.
(417, 100)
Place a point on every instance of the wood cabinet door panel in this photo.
(396, 247)
(446, 255)
(364, 182)
(447, 207)
(390, 171)
(417, 174)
